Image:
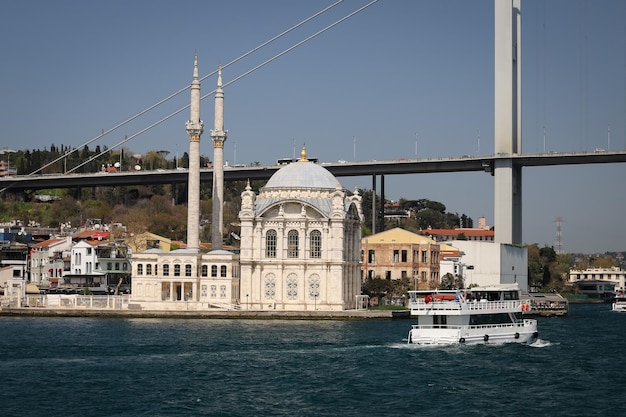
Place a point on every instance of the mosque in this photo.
(300, 240)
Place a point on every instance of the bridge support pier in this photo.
(508, 117)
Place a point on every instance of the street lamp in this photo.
(247, 305)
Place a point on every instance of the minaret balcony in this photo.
(193, 128)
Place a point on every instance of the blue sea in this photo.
(202, 367)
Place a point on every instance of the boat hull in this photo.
(497, 334)
(619, 306)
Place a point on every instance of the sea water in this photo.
(202, 367)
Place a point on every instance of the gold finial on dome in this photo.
(303, 154)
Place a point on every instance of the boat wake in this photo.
(540, 343)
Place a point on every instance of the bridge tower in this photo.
(218, 135)
(508, 117)
(194, 127)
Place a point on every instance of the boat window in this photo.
(511, 295)
(498, 318)
(440, 321)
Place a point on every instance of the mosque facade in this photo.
(300, 241)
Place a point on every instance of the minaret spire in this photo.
(195, 127)
(218, 135)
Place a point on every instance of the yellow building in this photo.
(144, 241)
(398, 253)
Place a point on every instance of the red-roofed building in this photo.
(482, 233)
(46, 264)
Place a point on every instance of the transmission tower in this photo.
(559, 237)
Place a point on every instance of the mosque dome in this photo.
(302, 174)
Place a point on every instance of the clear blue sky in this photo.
(396, 77)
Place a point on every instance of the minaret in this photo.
(218, 135)
(195, 127)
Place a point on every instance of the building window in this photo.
(292, 244)
(316, 244)
(292, 287)
(223, 271)
(149, 269)
(213, 291)
(404, 256)
(387, 274)
(396, 256)
(205, 271)
(222, 291)
(124, 266)
(270, 287)
(203, 291)
(270, 244)
(187, 270)
(424, 256)
(371, 256)
(166, 270)
(214, 271)
(139, 269)
(177, 270)
(117, 266)
(314, 287)
(403, 274)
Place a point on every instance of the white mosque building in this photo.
(300, 241)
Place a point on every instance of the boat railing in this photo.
(521, 323)
(475, 305)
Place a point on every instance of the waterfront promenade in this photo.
(200, 314)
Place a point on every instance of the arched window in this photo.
(292, 244)
(187, 270)
(316, 244)
(205, 271)
(139, 269)
(214, 270)
(166, 270)
(223, 271)
(177, 270)
(270, 244)
(148, 269)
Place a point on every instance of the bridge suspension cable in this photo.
(171, 96)
(128, 138)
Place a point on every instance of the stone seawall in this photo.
(207, 314)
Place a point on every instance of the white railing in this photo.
(521, 324)
(96, 302)
(464, 305)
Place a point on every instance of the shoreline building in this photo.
(601, 283)
(186, 279)
(300, 241)
(397, 254)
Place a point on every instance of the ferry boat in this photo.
(491, 314)
(619, 302)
